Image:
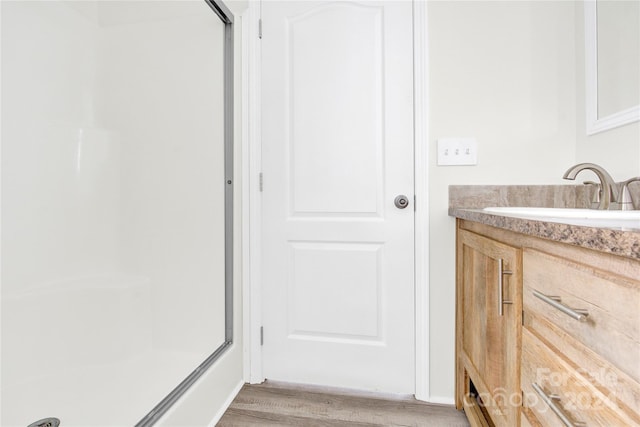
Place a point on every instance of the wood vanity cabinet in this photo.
(581, 339)
(568, 345)
(489, 310)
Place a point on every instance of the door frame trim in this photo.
(252, 197)
(421, 184)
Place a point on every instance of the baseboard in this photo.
(439, 400)
(336, 390)
(226, 405)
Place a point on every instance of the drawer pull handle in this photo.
(551, 400)
(501, 273)
(554, 301)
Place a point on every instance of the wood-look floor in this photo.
(286, 405)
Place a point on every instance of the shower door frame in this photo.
(225, 15)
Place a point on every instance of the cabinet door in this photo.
(489, 322)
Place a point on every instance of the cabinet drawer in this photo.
(525, 421)
(612, 327)
(575, 397)
(528, 419)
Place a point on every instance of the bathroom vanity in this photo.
(548, 320)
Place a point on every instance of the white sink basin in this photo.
(566, 213)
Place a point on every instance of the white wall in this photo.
(503, 72)
(617, 150)
(56, 189)
(161, 87)
(49, 69)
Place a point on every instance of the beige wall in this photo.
(503, 72)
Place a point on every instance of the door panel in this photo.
(331, 282)
(337, 149)
(347, 135)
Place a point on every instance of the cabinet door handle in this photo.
(551, 400)
(501, 273)
(575, 313)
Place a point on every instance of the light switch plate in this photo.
(457, 151)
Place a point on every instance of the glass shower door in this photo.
(114, 242)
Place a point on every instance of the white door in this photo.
(337, 117)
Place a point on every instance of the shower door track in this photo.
(161, 408)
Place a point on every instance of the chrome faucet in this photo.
(608, 190)
(626, 202)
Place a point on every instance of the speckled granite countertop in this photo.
(466, 202)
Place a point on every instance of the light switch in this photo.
(457, 151)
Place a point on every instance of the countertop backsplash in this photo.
(548, 196)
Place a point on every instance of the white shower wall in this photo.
(112, 198)
(161, 86)
(48, 68)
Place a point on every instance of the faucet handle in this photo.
(626, 201)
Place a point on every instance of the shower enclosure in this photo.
(116, 206)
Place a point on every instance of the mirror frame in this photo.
(597, 124)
